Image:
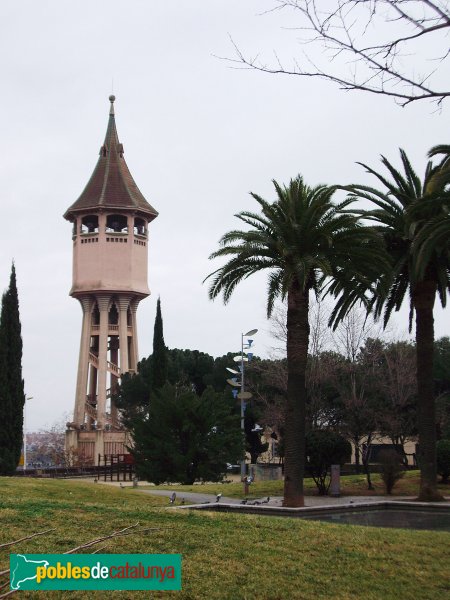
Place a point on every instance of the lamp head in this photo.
(251, 332)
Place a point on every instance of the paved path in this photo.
(191, 497)
(198, 498)
(203, 498)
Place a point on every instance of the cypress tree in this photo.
(6, 457)
(12, 397)
(159, 357)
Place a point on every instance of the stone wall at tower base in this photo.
(84, 447)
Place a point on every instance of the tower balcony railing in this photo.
(111, 329)
(112, 368)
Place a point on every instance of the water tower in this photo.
(110, 254)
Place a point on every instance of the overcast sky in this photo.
(198, 136)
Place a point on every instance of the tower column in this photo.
(134, 340)
(83, 361)
(124, 302)
(92, 391)
(114, 353)
(103, 305)
(101, 225)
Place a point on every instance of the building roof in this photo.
(111, 185)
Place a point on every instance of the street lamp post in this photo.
(243, 395)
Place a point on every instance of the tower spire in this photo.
(111, 185)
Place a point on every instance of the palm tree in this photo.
(404, 211)
(308, 244)
(434, 237)
(443, 149)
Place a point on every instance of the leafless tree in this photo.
(396, 48)
(353, 331)
(399, 386)
(357, 339)
(319, 337)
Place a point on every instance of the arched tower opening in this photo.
(140, 227)
(89, 224)
(116, 224)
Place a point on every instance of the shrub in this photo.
(323, 449)
(186, 437)
(391, 469)
(443, 459)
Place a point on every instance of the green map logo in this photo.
(24, 570)
(95, 572)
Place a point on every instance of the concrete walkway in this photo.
(194, 498)
(191, 498)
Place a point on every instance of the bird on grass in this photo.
(172, 498)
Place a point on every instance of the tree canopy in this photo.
(159, 357)
(185, 437)
(12, 397)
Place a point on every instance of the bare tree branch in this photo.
(389, 67)
(119, 533)
(28, 537)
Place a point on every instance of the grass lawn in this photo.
(351, 485)
(224, 555)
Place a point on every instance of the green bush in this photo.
(443, 459)
(323, 449)
(185, 437)
(391, 469)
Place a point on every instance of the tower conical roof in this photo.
(111, 185)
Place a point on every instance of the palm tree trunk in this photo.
(423, 298)
(297, 354)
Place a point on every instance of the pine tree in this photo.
(159, 358)
(186, 437)
(12, 397)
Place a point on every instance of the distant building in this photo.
(110, 222)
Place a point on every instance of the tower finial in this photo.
(111, 99)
